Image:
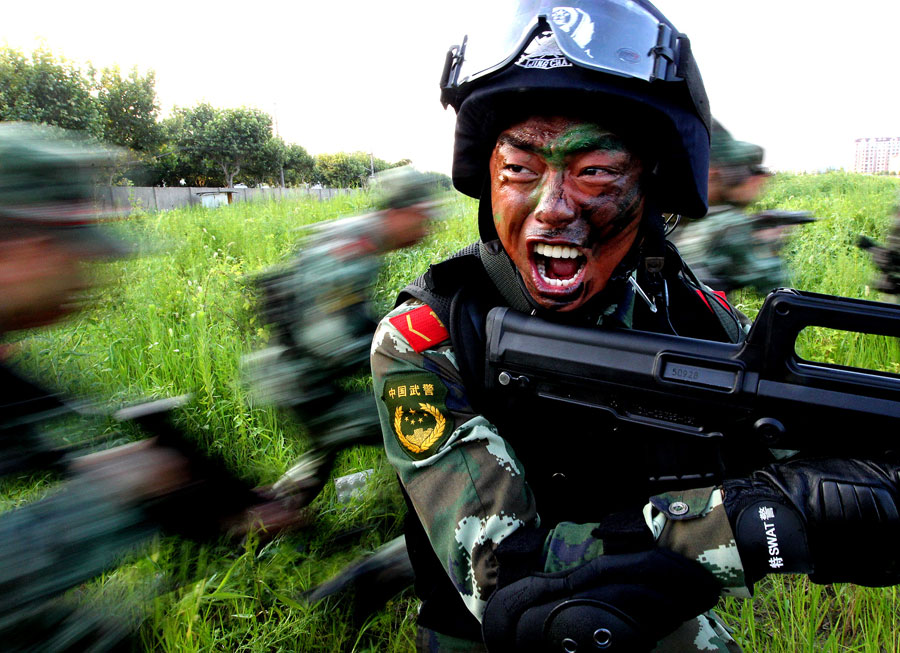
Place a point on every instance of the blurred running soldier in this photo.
(725, 249)
(113, 500)
(318, 306)
(887, 258)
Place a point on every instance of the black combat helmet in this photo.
(619, 63)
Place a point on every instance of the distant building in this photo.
(894, 165)
(875, 154)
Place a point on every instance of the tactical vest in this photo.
(578, 468)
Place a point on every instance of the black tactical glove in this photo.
(836, 520)
(624, 602)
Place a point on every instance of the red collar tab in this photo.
(421, 328)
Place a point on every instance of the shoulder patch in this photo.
(417, 410)
(421, 328)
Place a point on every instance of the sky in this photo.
(802, 78)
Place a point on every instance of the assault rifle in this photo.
(201, 508)
(781, 218)
(26, 446)
(709, 409)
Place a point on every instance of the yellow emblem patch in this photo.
(422, 438)
(418, 413)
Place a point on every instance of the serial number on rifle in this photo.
(696, 375)
(684, 373)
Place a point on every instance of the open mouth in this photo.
(558, 268)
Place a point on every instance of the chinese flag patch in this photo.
(421, 328)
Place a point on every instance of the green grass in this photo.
(178, 321)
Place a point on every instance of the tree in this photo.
(201, 146)
(299, 166)
(238, 136)
(173, 164)
(375, 165)
(440, 180)
(349, 170)
(275, 158)
(342, 170)
(265, 165)
(224, 138)
(44, 89)
(129, 110)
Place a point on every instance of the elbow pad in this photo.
(624, 602)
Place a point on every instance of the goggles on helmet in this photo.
(621, 37)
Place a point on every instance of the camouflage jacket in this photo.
(318, 306)
(468, 487)
(726, 252)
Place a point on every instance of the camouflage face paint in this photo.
(534, 198)
(579, 139)
(566, 198)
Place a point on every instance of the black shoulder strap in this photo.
(461, 293)
(441, 281)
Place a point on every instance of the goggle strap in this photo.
(663, 52)
(450, 74)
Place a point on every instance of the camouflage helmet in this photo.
(734, 161)
(47, 182)
(397, 188)
(724, 149)
(619, 63)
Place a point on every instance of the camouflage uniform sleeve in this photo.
(752, 262)
(464, 481)
(694, 524)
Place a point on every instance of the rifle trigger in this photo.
(651, 303)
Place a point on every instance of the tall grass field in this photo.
(177, 319)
